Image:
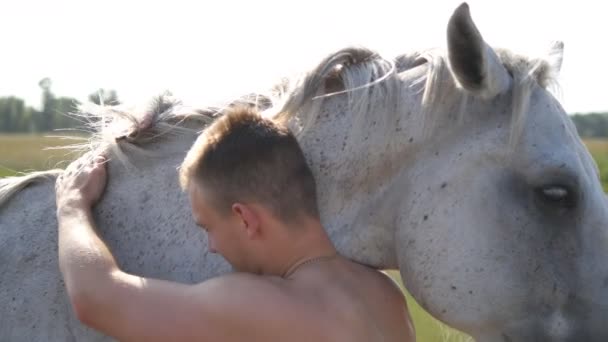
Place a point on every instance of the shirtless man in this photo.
(253, 193)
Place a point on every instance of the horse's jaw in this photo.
(363, 229)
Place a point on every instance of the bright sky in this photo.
(206, 49)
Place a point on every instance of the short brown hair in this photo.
(243, 156)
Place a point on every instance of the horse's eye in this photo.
(557, 195)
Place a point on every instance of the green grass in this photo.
(599, 150)
(26, 152)
(428, 329)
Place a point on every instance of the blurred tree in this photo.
(44, 119)
(54, 114)
(62, 107)
(15, 116)
(104, 97)
(10, 112)
(592, 125)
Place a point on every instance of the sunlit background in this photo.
(202, 50)
(207, 50)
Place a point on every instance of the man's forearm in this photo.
(84, 259)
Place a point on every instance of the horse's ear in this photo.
(556, 56)
(474, 64)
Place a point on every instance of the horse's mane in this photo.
(368, 80)
(371, 85)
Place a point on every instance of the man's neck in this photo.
(310, 244)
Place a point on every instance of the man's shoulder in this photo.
(385, 278)
(245, 300)
(381, 283)
(238, 280)
(246, 287)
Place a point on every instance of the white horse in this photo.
(458, 168)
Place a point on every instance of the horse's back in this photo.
(35, 305)
(146, 220)
(143, 217)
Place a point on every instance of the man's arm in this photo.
(129, 307)
(84, 260)
(118, 304)
(133, 308)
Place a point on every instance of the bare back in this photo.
(351, 302)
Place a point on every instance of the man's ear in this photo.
(248, 218)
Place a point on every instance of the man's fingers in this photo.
(83, 166)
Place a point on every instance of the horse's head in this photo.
(503, 229)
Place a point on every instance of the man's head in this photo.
(247, 175)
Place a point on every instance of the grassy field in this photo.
(19, 153)
(25, 152)
(428, 329)
(599, 150)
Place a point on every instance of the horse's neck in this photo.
(139, 192)
(355, 161)
(359, 162)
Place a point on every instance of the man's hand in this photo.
(85, 261)
(82, 183)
